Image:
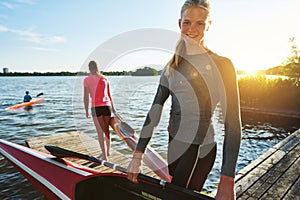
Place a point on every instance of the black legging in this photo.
(187, 169)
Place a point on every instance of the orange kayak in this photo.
(20, 105)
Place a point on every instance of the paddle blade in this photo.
(40, 94)
(127, 130)
(62, 153)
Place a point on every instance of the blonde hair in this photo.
(205, 4)
(180, 47)
(93, 67)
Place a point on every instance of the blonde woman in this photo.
(197, 81)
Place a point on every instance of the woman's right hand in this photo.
(134, 167)
(226, 189)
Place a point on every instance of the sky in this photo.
(62, 35)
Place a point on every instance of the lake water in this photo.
(63, 111)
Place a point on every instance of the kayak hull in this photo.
(55, 179)
(27, 104)
(61, 179)
(118, 187)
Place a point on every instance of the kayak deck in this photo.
(82, 143)
(20, 105)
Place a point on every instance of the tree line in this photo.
(146, 71)
(290, 67)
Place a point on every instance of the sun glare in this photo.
(251, 71)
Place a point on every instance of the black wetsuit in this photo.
(198, 84)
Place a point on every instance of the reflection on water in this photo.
(63, 111)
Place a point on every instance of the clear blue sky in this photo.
(59, 35)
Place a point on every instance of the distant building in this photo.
(5, 70)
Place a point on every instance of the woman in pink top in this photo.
(97, 87)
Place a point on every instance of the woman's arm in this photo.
(153, 117)
(233, 132)
(111, 100)
(86, 101)
(151, 121)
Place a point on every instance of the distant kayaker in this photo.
(97, 87)
(197, 80)
(27, 97)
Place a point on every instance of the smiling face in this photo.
(194, 23)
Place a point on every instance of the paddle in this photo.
(61, 153)
(39, 94)
(125, 128)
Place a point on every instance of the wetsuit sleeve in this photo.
(233, 132)
(154, 114)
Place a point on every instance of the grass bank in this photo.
(270, 93)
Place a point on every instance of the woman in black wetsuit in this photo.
(197, 81)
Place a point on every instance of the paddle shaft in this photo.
(60, 153)
(39, 94)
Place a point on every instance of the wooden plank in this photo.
(285, 182)
(291, 139)
(255, 163)
(257, 178)
(82, 143)
(289, 143)
(294, 192)
(249, 179)
(266, 181)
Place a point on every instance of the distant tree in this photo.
(294, 58)
(291, 66)
(292, 63)
(146, 71)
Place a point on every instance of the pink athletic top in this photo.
(99, 90)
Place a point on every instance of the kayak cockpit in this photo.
(117, 186)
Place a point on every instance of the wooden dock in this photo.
(280, 114)
(274, 175)
(82, 143)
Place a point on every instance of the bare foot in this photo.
(102, 157)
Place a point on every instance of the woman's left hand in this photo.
(226, 189)
(134, 167)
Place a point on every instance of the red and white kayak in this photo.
(20, 105)
(58, 178)
(54, 179)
